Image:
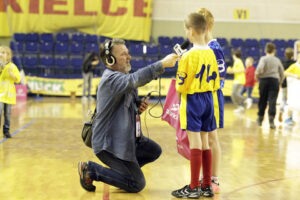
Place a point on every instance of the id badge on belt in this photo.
(138, 126)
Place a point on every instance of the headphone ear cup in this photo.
(110, 60)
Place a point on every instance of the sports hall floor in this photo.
(40, 161)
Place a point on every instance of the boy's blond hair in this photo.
(8, 52)
(209, 18)
(196, 21)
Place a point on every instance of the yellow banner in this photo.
(68, 87)
(126, 19)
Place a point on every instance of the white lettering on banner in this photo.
(175, 107)
(46, 86)
(171, 114)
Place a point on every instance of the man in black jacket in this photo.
(90, 62)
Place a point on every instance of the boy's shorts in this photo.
(197, 112)
(219, 108)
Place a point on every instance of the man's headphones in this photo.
(109, 58)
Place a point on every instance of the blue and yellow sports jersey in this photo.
(216, 47)
(198, 71)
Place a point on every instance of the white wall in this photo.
(274, 11)
(266, 19)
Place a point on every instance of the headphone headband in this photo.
(110, 59)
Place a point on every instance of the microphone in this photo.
(181, 49)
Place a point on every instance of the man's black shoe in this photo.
(7, 135)
(85, 181)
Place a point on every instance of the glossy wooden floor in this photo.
(40, 161)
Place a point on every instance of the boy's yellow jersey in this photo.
(294, 69)
(198, 71)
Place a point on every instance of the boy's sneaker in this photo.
(248, 102)
(207, 192)
(215, 187)
(240, 109)
(187, 192)
(289, 121)
(85, 181)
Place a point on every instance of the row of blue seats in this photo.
(54, 65)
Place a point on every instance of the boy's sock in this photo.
(215, 179)
(195, 162)
(207, 162)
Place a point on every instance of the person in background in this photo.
(289, 54)
(238, 70)
(90, 62)
(250, 81)
(294, 72)
(270, 72)
(9, 75)
(218, 99)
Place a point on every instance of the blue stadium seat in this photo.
(164, 40)
(227, 51)
(280, 43)
(137, 64)
(61, 48)
(16, 47)
(254, 52)
(91, 38)
(237, 43)
(280, 53)
(47, 37)
(17, 60)
(103, 38)
(78, 38)
(290, 43)
(61, 66)
(165, 50)
(30, 64)
(76, 63)
(263, 42)
(20, 37)
(32, 37)
(136, 50)
(149, 61)
(223, 42)
(177, 40)
(89, 47)
(62, 38)
(250, 43)
(31, 47)
(46, 48)
(152, 51)
(61, 61)
(46, 66)
(76, 48)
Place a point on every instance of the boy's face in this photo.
(248, 62)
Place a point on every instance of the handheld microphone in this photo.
(181, 49)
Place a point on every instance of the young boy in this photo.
(289, 54)
(9, 76)
(250, 80)
(197, 78)
(239, 80)
(294, 72)
(218, 98)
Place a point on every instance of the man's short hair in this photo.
(270, 47)
(114, 41)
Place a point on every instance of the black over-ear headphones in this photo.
(109, 58)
